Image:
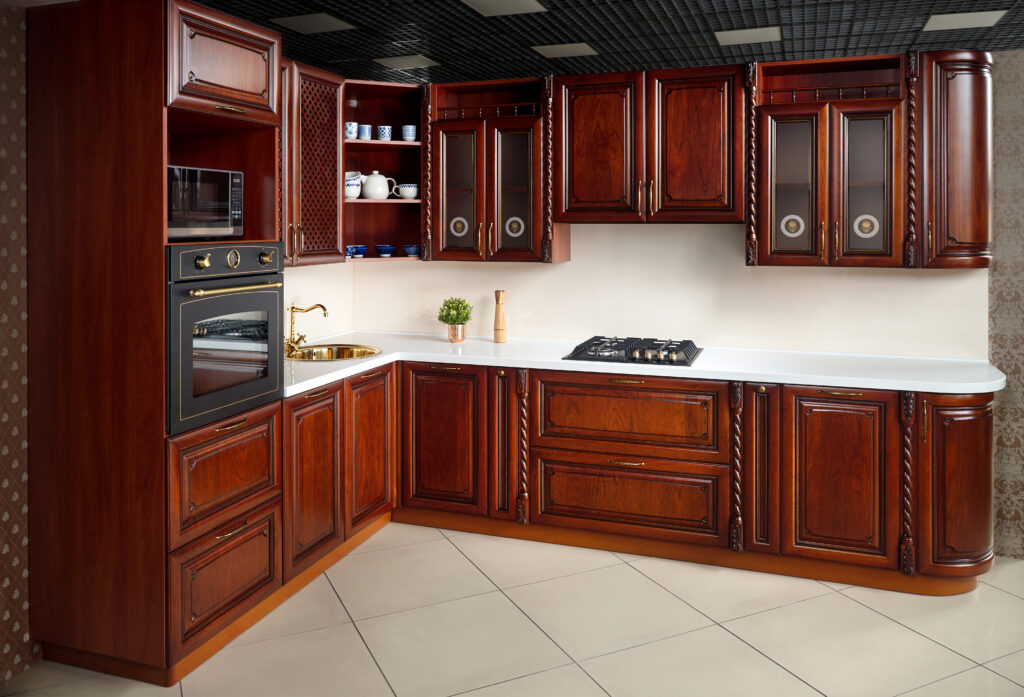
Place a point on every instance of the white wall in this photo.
(331, 286)
(679, 281)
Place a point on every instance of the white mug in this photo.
(407, 190)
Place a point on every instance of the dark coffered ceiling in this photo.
(627, 35)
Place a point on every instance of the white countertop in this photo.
(941, 375)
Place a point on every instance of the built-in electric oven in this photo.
(224, 353)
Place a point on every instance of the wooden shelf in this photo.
(382, 143)
(378, 258)
(383, 200)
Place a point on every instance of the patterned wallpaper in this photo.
(16, 649)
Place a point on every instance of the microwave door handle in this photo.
(202, 293)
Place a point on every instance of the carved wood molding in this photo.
(522, 392)
(751, 256)
(428, 155)
(736, 522)
(547, 124)
(908, 418)
(910, 248)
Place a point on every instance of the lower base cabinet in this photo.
(370, 438)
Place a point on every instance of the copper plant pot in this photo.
(456, 333)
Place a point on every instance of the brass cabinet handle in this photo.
(624, 463)
(200, 293)
(480, 239)
(233, 426)
(640, 197)
(761, 389)
(321, 393)
(835, 241)
(835, 393)
(232, 109)
(445, 367)
(931, 238)
(234, 532)
(501, 373)
(367, 376)
(490, 239)
(620, 381)
(821, 251)
(650, 197)
(291, 239)
(302, 239)
(924, 410)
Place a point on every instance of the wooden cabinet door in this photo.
(956, 158)
(444, 460)
(515, 222)
(867, 201)
(956, 491)
(695, 145)
(762, 447)
(792, 185)
(840, 475)
(461, 210)
(313, 477)
(316, 183)
(599, 148)
(508, 442)
(220, 64)
(370, 443)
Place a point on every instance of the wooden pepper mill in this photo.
(499, 317)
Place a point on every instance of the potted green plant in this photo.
(455, 312)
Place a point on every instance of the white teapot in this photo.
(375, 185)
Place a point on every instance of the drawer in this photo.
(221, 576)
(218, 472)
(663, 499)
(658, 417)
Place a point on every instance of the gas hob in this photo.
(632, 349)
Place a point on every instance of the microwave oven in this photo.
(203, 203)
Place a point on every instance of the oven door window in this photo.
(229, 350)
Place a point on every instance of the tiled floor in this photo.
(421, 612)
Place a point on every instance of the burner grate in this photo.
(632, 349)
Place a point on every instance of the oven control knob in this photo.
(203, 262)
(267, 257)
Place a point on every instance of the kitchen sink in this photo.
(333, 352)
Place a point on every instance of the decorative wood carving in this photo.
(752, 164)
(548, 179)
(428, 155)
(910, 253)
(907, 420)
(523, 392)
(736, 523)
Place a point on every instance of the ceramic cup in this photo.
(364, 131)
(408, 190)
(383, 132)
(351, 129)
(409, 133)
(353, 188)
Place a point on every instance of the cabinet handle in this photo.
(821, 250)
(480, 239)
(834, 393)
(445, 367)
(835, 241)
(233, 426)
(931, 237)
(490, 239)
(302, 239)
(640, 197)
(924, 409)
(624, 463)
(650, 197)
(234, 532)
(291, 237)
(321, 393)
(370, 375)
(232, 109)
(620, 381)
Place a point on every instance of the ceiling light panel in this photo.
(565, 50)
(760, 35)
(406, 62)
(317, 23)
(496, 8)
(963, 20)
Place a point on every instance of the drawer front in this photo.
(222, 470)
(670, 500)
(660, 417)
(222, 575)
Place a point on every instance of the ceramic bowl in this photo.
(411, 250)
(358, 250)
(350, 250)
(384, 250)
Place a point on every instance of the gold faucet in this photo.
(293, 342)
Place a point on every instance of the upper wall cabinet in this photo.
(219, 64)
(661, 146)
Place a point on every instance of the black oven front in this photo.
(224, 313)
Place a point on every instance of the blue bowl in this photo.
(384, 250)
(358, 250)
(350, 250)
(411, 250)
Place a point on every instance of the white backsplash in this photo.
(327, 284)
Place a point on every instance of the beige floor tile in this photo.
(724, 594)
(596, 612)
(458, 646)
(314, 607)
(983, 625)
(453, 533)
(1011, 666)
(567, 681)
(627, 557)
(43, 674)
(845, 649)
(398, 535)
(332, 661)
(510, 562)
(106, 686)
(977, 682)
(708, 661)
(836, 586)
(401, 578)
(1007, 574)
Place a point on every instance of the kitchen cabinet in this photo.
(444, 447)
(507, 442)
(313, 476)
(370, 445)
(761, 457)
(660, 146)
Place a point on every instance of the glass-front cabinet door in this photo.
(458, 225)
(514, 221)
(792, 206)
(866, 215)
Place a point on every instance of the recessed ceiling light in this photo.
(406, 62)
(963, 20)
(495, 8)
(760, 35)
(316, 23)
(565, 50)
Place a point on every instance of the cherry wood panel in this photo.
(599, 148)
(662, 499)
(371, 444)
(444, 449)
(507, 440)
(220, 471)
(956, 161)
(956, 457)
(695, 153)
(840, 475)
(313, 476)
(662, 417)
(221, 576)
(220, 64)
(762, 445)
